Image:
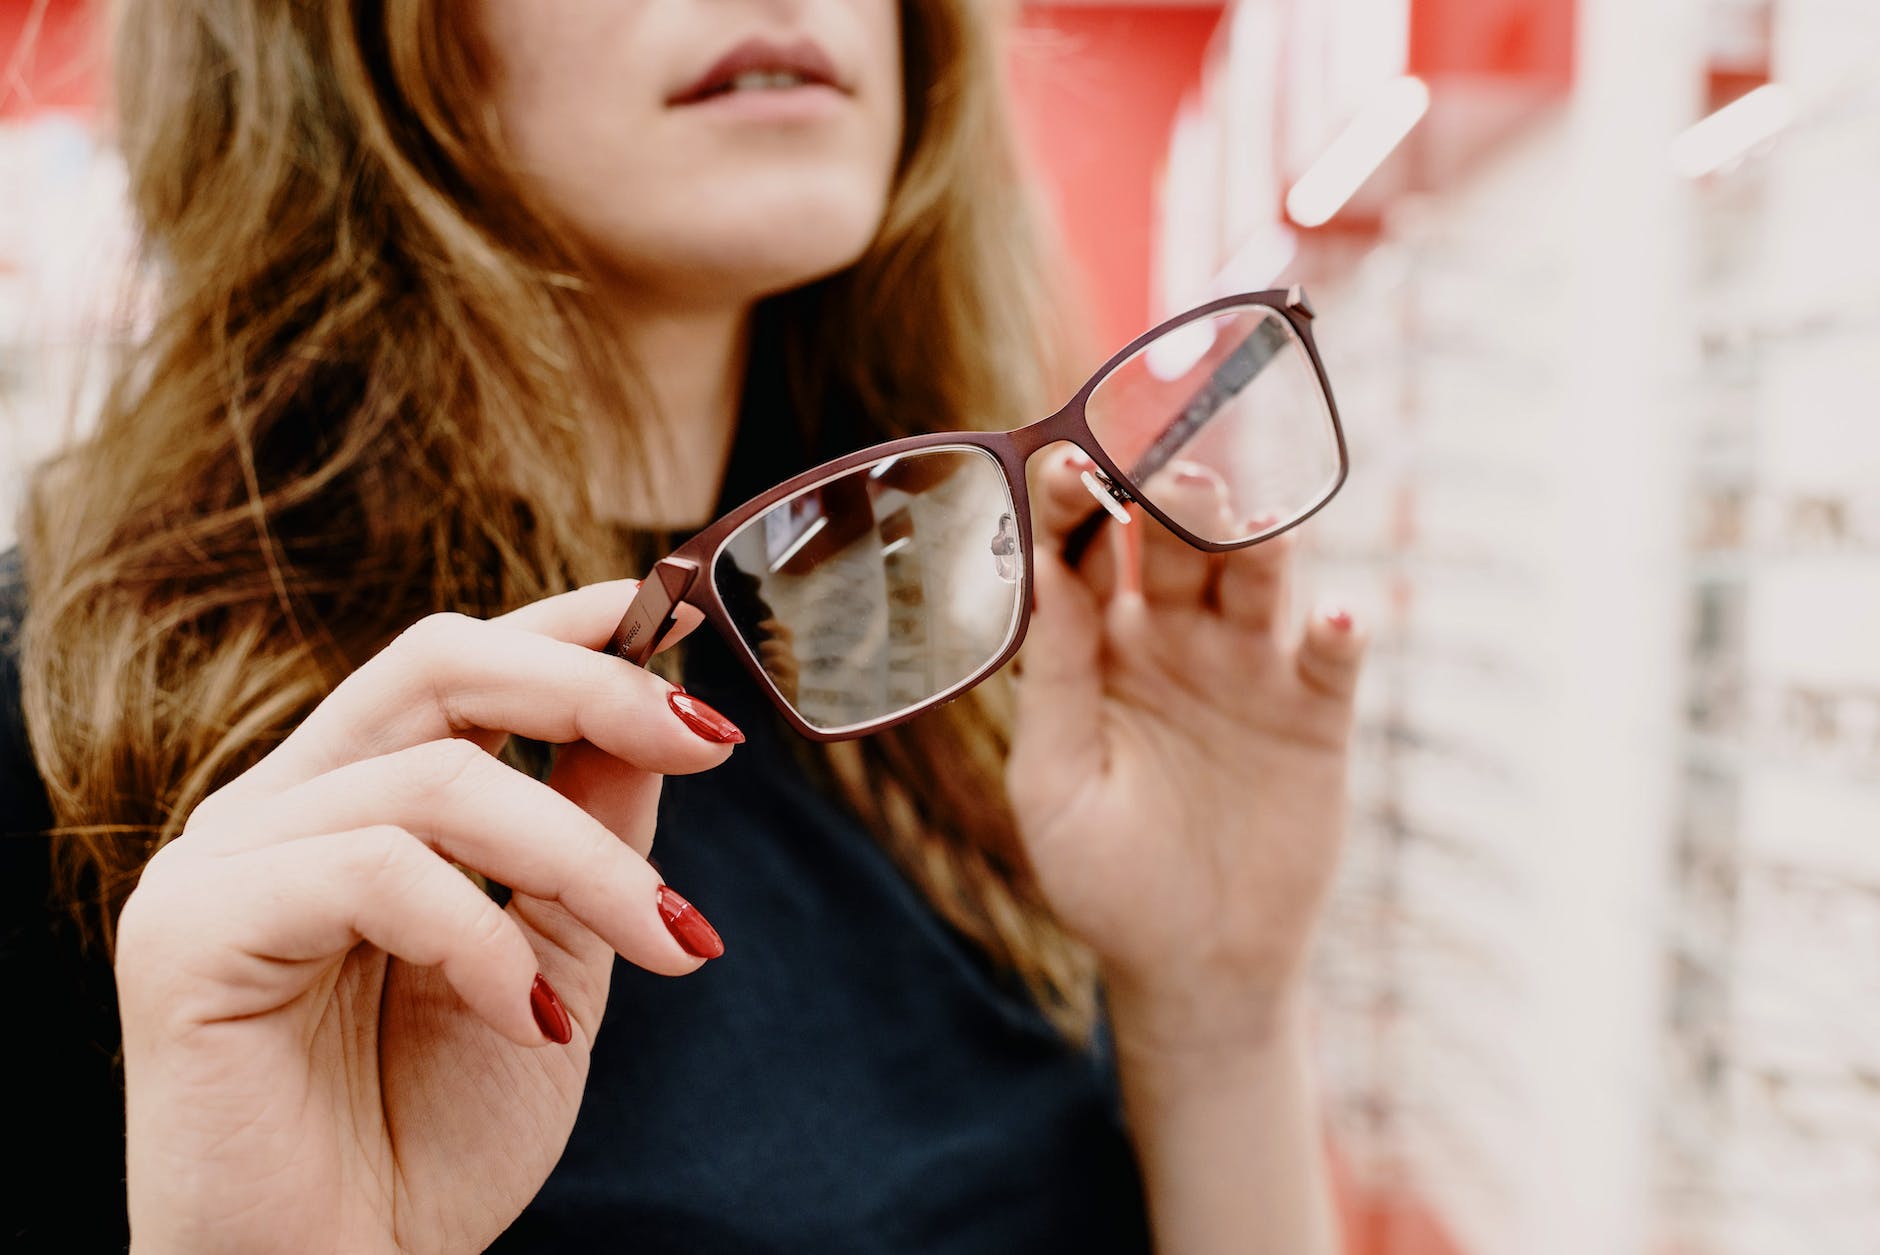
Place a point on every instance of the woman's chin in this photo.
(744, 267)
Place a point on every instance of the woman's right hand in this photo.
(334, 1041)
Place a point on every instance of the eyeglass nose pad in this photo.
(1108, 495)
(1005, 550)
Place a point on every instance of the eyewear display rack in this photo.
(1771, 1124)
(1602, 971)
(1438, 988)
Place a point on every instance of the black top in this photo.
(851, 1076)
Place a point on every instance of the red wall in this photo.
(1097, 89)
(1525, 39)
(60, 70)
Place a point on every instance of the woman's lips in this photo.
(810, 103)
(760, 67)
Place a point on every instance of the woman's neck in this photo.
(667, 473)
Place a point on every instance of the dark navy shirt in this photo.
(852, 1076)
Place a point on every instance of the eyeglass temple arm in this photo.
(1234, 373)
(650, 616)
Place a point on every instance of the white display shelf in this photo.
(1614, 453)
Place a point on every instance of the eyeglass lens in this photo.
(880, 588)
(1222, 424)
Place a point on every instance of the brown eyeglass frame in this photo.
(683, 577)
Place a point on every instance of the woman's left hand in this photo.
(1178, 769)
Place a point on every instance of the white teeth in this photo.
(766, 80)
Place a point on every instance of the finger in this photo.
(476, 811)
(588, 615)
(1174, 571)
(382, 885)
(450, 674)
(1059, 694)
(1255, 588)
(1331, 655)
(624, 799)
(1059, 505)
(619, 795)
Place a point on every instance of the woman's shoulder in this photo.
(24, 811)
(25, 815)
(12, 601)
(12, 609)
(23, 805)
(72, 1048)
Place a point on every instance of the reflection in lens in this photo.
(1222, 424)
(879, 589)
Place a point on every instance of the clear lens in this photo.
(1222, 424)
(880, 589)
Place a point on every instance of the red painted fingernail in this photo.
(550, 1016)
(702, 719)
(1340, 619)
(691, 930)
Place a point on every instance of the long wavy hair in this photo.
(372, 360)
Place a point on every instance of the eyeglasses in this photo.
(870, 588)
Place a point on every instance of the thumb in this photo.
(1060, 688)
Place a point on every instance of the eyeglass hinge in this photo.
(676, 576)
(650, 616)
(1297, 302)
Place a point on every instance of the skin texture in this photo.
(581, 91)
(692, 214)
(328, 1038)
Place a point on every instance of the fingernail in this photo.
(1193, 475)
(550, 1016)
(1078, 460)
(702, 719)
(691, 930)
(1339, 619)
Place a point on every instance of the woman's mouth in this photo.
(757, 81)
(763, 66)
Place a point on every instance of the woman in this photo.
(457, 315)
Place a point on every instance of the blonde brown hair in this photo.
(369, 366)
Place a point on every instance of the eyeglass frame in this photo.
(684, 577)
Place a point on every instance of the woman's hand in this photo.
(1178, 768)
(334, 1041)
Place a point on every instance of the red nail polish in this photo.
(1340, 619)
(550, 1016)
(702, 719)
(691, 930)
